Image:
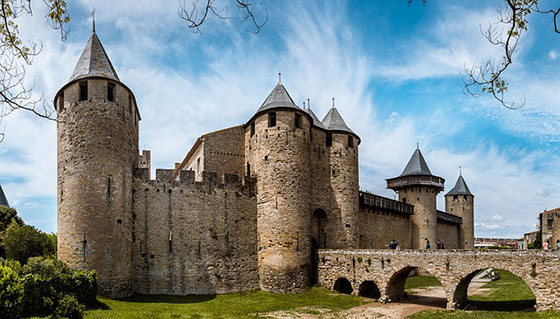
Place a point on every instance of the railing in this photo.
(399, 182)
(385, 203)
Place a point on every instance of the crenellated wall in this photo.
(194, 237)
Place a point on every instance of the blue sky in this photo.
(394, 69)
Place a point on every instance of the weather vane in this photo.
(93, 17)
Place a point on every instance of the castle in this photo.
(248, 206)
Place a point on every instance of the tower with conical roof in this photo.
(342, 144)
(3, 199)
(97, 138)
(277, 140)
(418, 186)
(460, 201)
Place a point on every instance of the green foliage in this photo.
(11, 293)
(23, 242)
(7, 215)
(68, 307)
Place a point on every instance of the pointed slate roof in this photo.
(279, 97)
(316, 120)
(460, 188)
(3, 199)
(334, 122)
(416, 165)
(94, 62)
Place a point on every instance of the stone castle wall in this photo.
(279, 159)
(464, 208)
(449, 234)
(224, 151)
(97, 151)
(378, 228)
(194, 237)
(424, 219)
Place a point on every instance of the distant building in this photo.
(3, 199)
(549, 226)
(482, 242)
(521, 244)
(529, 238)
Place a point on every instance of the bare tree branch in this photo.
(199, 12)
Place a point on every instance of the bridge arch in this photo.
(343, 286)
(369, 289)
(460, 295)
(396, 283)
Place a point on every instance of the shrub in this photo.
(11, 293)
(23, 242)
(69, 307)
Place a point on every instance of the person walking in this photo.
(427, 243)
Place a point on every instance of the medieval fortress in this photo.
(248, 206)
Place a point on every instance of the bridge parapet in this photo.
(454, 269)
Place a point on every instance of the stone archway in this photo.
(369, 289)
(318, 221)
(424, 290)
(460, 295)
(343, 286)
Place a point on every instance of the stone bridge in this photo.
(382, 273)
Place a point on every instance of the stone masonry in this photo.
(387, 270)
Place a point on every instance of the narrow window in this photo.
(198, 165)
(248, 169)
(271, 119)
(404, 200)
(329, 139)
(111, 92)
(129, 104)
(465, 198)
(252, 128)
(298, 121)
(455, 198)
(83, 91)
(350, 141)
(61, 102)
(109, 186)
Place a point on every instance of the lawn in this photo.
(509, 294)
(235, 305)
(416, 282)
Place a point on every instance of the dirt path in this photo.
(432, 298)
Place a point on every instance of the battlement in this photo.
(210, 180)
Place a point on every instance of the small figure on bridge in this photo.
(440, 244)
(393, 244)
(557, 244)
(398, 246)
(546, 245)
(427, 243)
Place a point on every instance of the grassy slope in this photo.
(235, 305)
(416, 282)
(510, 293)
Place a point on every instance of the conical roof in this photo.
(3, 199)
(94, 62)
(460, 188)
(279, 97)
(416, 165)
(334, 122)
(316, 120)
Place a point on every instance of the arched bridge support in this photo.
(388, 270)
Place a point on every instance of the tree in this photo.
(15, 55)
(23, 242)
(7, 215)
(198, 13)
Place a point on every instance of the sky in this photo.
(396, 71)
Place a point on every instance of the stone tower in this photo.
(3, 199)
(97, 152)
(342, 144)
(277, 154)
(419, 187)
(460, 201)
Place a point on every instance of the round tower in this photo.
(419, 187)
(97, 139)
(277, 154)
(460, 201)
(342, 144)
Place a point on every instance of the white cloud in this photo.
(552, 54)
(497, 218)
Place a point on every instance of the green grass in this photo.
(416, 282)
(235, 305)
(509, 294)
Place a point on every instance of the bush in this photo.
(7, 216)
(23, 242)
(69, 307)
(11, 293)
